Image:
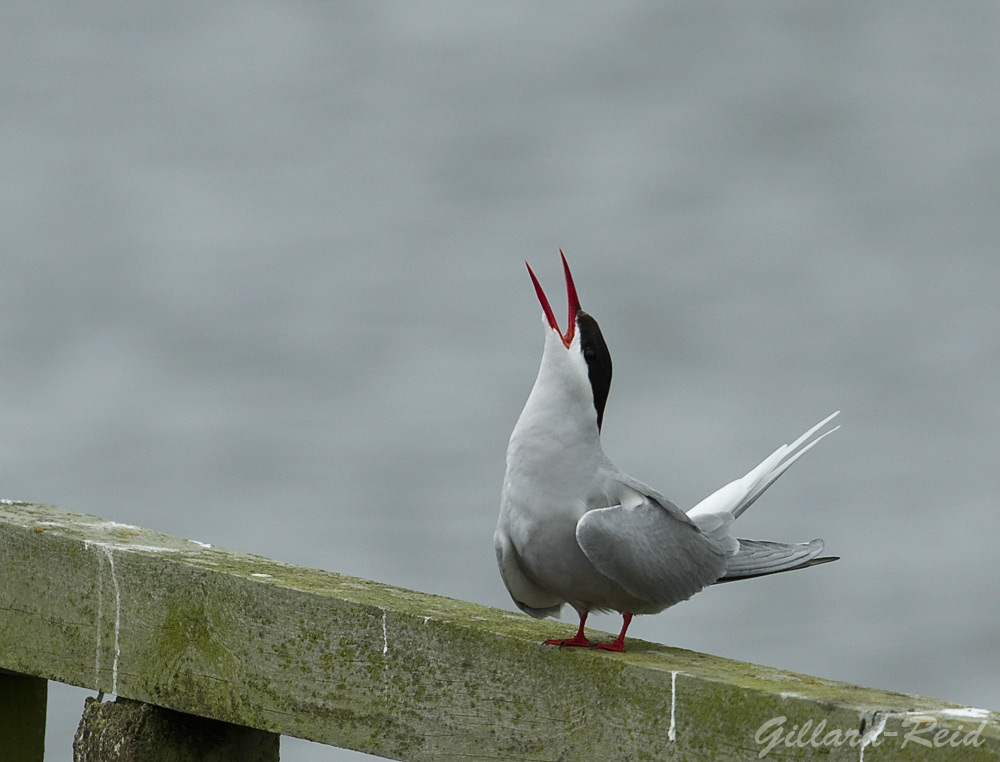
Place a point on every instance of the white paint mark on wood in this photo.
(672, 732)
(385, 635)
(107, 551)
(878, 725)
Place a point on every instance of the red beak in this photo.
(571, 298)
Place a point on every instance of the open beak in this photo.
(571, 298)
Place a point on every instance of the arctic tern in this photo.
(575, 529)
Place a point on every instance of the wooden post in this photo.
(22, 717)
(131, 731)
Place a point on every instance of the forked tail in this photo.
(755, 558)
(740, 494)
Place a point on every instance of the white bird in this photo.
(574, 529)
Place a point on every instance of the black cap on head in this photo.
(595, 352)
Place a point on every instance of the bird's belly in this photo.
(552, 559)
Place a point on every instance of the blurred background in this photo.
(262, 285)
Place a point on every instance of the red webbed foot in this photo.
(618, 645)
(577, 641)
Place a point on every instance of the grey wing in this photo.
(528, 596)
(655, 555)
(646, 491)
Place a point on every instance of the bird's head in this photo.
(581, 352)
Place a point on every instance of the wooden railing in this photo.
(214, 654)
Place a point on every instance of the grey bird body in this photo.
(575, 529)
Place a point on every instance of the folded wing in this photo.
(654, 555)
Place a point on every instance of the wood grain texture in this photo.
(132, 731)
(398, 673)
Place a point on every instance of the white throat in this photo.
(557, 430)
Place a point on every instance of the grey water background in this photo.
(262, 286)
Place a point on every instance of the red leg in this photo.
(619, 643)
(579, 640)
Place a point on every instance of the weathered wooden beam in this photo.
(131, 731)
(402, 674)
(22, 716)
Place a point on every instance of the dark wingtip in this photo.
(803, 565)
(818, 561)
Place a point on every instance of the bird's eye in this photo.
(589, 353)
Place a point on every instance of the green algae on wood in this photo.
(398, 673)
